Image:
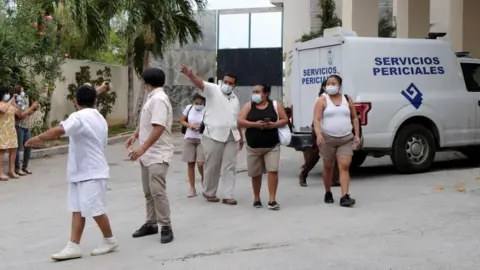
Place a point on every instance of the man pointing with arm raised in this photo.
(222, 139)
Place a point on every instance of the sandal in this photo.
(4, 178)
(192, 193)
(20, 172)
(26, 171)
(213, 199)
(13, 175)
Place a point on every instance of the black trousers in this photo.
(312, 156)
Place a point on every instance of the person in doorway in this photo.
(155, 152)
(191, 120)
(87, 172)
(262, 121)
(23, 130)
(333, 118)
(8, 135)
(222, 139)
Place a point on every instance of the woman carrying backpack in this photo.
(335, 118)
(191, 120)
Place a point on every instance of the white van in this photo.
(415, 96)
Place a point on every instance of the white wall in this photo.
(61, 106)
(296, 22)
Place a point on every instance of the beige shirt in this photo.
(221, 113)
(157, 110)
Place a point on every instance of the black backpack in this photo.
(314, 136)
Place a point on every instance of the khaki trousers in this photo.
(155, 189)
(220, 158)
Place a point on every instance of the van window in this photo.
(471, 75)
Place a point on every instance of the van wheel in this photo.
(358, 159)
(413, 150)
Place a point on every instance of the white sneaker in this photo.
(71, 251)
(108, 245)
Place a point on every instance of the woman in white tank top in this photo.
(334, 119)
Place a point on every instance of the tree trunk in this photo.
(130, 92)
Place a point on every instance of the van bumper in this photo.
(301, 141)
(304, 141)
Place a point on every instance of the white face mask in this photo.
(331, 90)
(198, 107)
(226, 89)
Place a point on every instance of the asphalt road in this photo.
(417, 221)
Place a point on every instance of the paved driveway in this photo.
(400, 222)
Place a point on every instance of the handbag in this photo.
(184, 129)
(284, 134)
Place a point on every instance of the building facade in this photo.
(412, 18)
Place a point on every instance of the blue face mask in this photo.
(226, 89)
(257, 98)
(6, 97)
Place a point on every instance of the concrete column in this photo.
(361, 16)
(464, 22)
(296, 22)
(413, 18)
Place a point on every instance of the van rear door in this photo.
(312, 63)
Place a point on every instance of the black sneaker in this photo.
(346, 201)
(146, 229)
(166, 235)
(273, 205)
(328, 197)
(257, 204)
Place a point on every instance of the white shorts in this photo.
(88, 197)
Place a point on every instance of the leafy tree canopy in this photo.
(328, 18)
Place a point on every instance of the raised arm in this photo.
(197, 81)
(4, 107)
(23, 114)
(102, 88)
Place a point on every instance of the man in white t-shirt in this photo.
(222, 139)
(155, 152)
(87, 171)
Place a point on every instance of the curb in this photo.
(63, 149)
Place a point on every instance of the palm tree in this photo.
(151, 27)
(83, 23)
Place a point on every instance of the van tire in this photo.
(357, 159)
(411, 159)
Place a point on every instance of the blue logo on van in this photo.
(413, 95)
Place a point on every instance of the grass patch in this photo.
(113, 130)
(116, 130)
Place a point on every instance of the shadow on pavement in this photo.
(382, 170)
(371, 171)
